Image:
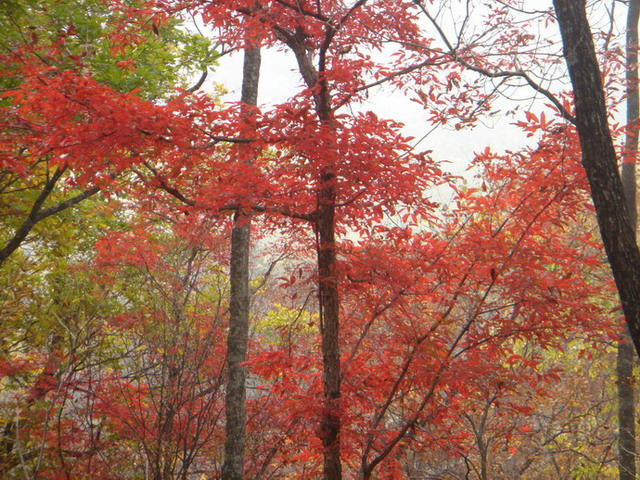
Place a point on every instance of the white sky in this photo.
(280, 80)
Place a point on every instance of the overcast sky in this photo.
(280, 80)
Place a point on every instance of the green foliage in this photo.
(77, 34)
(586, 470)
(45, 290)
(282, 325)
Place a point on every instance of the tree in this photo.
(419, 341)
(317, 146)
(600, 160)
(51, 319)
(239, 301)
(626, 357)
(67, 104)
(165, 390)
(117, 369)
(557, 429)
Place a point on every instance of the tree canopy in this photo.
(193, 286)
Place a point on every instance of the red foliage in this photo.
(435, 303)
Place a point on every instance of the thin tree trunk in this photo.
(625, 358)
(329, 316)
(328, 298)
(599, 159)
(235, 397)
(626, 409)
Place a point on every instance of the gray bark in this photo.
(235, 397)
(626, 409)
(625, 357)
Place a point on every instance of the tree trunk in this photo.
(626, 409)
(329, 323)
(328, 298)
(234, 446)
(625, 357)
(599, 159)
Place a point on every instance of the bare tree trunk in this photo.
(235, 397)
(599, 159)
(626, 409)
(625, 358)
